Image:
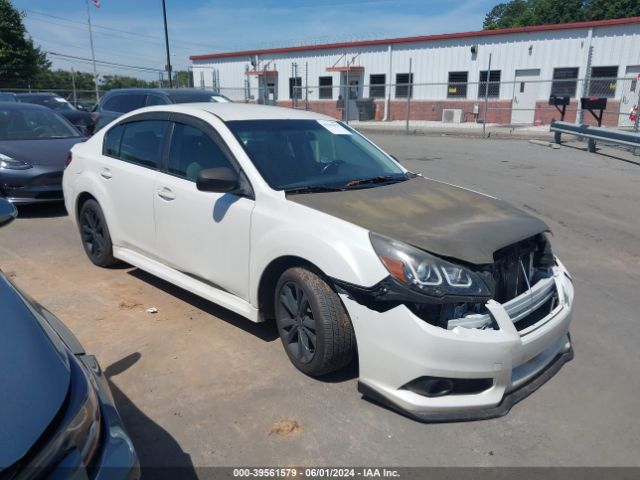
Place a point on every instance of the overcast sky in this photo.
(130, 32)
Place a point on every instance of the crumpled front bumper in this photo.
(396, 347)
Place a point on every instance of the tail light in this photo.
(94, 116)
(69, 158)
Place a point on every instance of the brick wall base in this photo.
(431, 110)
(545, 113)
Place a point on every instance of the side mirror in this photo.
(221, 180)
(7, 212)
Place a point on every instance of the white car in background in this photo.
(452, 301)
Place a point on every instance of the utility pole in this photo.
(73, 85)
(166, 41)
(93, 53)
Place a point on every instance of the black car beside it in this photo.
(123, 100)
(83, 120)
(34, 147)
(58, 416)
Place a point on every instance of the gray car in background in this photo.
(34, 147)
(123, 100)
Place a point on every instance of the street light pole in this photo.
(166, 41)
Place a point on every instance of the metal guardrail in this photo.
(593, 133)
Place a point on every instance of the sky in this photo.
(130, 32)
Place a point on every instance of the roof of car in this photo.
(22, 106)
(166, 91)
(242, 111)
(37, 94)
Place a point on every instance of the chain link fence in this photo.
(523, 102)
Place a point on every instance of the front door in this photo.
(202, 234)
(351, 88)
(525, 95)
(629, 98)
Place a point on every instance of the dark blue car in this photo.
(57, 416)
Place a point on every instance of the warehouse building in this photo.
(447, 77)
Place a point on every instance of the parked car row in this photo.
(37, 131)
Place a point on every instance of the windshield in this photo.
(7, 97)
(195, 97)
(32, 124)
(294, 154)
(52, 102)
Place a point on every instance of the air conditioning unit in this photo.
(450, 115)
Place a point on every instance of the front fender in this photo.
(338, 248)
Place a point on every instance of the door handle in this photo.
(166, 194)
(106, 173)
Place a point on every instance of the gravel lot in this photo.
(200, 386)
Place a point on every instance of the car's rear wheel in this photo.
(314, 327)
(96, 239)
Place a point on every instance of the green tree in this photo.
(521, 13)
(117, 81)
(20, 60)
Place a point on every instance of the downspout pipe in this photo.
(387, 97)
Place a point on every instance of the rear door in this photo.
(202, 234)
(132, 156)
(525, 95)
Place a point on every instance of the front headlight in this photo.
(426, 273)
(9, 163)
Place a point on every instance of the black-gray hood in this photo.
(51, 152)
(436, 217)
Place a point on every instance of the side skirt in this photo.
(215, 295)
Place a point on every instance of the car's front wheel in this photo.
(314, 327)
(96, 239)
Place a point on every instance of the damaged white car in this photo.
(453, 301)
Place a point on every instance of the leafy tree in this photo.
(20, 60)
(521, 13)
(117, 81)
(182, 78)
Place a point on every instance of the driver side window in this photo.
(191, 151)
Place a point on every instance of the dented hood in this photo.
(442, 219)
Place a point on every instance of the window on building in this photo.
(404, 85)
(377, 87)
(494, 84)
(295, 87)
(603, 82)
(457, 85)
(565, 82)
(326, 88)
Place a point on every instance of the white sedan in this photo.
(452, 300)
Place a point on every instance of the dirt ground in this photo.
(199, 386)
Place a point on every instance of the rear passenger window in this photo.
(193, 150)
(112, 139)
(142, 142)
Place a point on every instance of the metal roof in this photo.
(425, 38)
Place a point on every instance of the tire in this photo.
(313, 325)
(95, 236)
